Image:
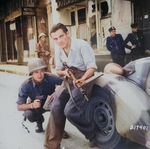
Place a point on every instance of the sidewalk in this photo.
(15, 69)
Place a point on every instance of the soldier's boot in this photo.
(39, 127)
(65, 135)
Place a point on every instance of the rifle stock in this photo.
(79, 85)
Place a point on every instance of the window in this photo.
(93, 7)
(104, 9)
(81, 16)
(73, 18)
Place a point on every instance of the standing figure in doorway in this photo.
(42, 50)
(114, 44)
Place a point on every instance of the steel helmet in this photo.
(42, 34)
(35, 64)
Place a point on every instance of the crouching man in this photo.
(36, 88)
(79, 56)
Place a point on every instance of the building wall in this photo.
(3, 52)
(92, 26)
(55, 13)
(121, 16)
(65, 20)
(42, 21)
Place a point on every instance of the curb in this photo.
(15, 72)
(14, 69)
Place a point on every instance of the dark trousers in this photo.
(34, 115)
(119, 59)
(136, 53)
(134, 57)
(73, 109)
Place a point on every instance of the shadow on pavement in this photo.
(130, 145)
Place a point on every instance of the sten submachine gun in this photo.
(80, 85)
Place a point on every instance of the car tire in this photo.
(102, 113)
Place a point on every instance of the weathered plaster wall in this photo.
(91, 23)
(55, 13)
(42, 23)
(121, 16)
(65, 20)
(56, 17)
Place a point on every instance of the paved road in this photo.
(13, 136)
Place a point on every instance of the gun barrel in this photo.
(86, 97)
(83, 93)
(72, 75)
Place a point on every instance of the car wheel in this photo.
(107, 136)
(101, 111)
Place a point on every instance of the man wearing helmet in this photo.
(36, 88)
(42, 50)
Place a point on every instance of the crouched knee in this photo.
(29, 115)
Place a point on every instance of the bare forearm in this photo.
(34, 105)
(60, 73)
(89, 73)
(24, 107)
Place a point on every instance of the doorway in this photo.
(104, 21)
(11, 41)
(142, 17)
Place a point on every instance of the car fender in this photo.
(132, 107)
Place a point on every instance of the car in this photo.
(120, 106)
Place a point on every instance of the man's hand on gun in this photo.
(77, 83)
(36, 104)
(66, 74)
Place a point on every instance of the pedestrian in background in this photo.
(42, 50)
(114, 44)
(136, 38)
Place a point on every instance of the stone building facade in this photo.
(21, 21)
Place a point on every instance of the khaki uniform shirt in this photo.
(41, 49)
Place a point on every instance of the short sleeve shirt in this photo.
(38, 90)
(81, 56)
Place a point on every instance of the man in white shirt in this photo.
(79, 56)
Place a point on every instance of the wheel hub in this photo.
(103, 117)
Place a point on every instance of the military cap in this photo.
(111, 28)
(42, 34)
(134, 25)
